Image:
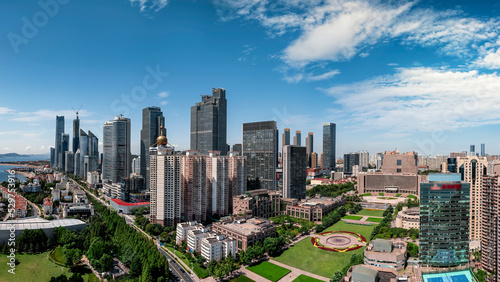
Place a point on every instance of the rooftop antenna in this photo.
(76, 110)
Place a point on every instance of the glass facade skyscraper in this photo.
(294, 172)
(329, 137)
(444, 221)
(260, 146)
(209, 123)
(309, 147)
(117, 163)
(152, 120)
(58, 153)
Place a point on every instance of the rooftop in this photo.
(249, 226)
(122, 203)
(38, 223)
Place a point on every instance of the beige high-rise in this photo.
(473, 169)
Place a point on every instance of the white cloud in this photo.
(5, 110)
(150, 5)
(45, 114)
(421, 99)
(163, 103)
(28, 148)
(323, 76)
(163, 94)
(337, 30)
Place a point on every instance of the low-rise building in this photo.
(47, 206)
(183, 228)
(313, 209)
(56, 194)
(72, 209)
(257, 203)
(364, 273)
(408, 218)
(379, 182)
(217, 247)
(246, 232)
(194, 237)
(31, 188)
(382, 254)
(127, 208)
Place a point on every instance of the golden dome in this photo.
(162, 139)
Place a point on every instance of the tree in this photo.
(106, 262)
(337, 276)
(76, 277)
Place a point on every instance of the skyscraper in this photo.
(483, 150)
(329, 137)
(58, 143)
(286, 137)
(472, 149)
(350, 160)
(309, 147)
(314, 160)
(472, 169)
(64, 149)
(209, 123)
(69, 166)
(116, 148)
(152, 120)
(444, 221)
(294, 172)
(52, 156)
(297, 138)
(260, 147)
(165, 183)
(76, 132)
(490, 233)
(238, 148)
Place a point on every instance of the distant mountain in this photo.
(16, 155)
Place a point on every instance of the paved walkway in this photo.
(296, 272)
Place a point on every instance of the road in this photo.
(177, 270)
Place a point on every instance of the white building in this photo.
(195, 236)
(217, 247)
(183, 228)
(92, 177)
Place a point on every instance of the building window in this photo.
(398, 162)
(398, 170)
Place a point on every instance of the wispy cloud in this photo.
(323, 76)
(5, 110)
(41, 115)
(150, 5)
(163, 94)
(337, 30)
(421, 99)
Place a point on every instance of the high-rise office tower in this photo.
(472, 149)
(69, 166)
(116, 149)
(483, 150)
(64, 149)
(490, 233)
(309, 147)
(238, 148)
(165, 183)
(152, 120)
(473, 168)
(394, 162)
(76, 132)
(286, 137)
(76, 159)
(444, 221)
(329, 137)
(52, 156)
(364, 159)
(350, 160)
(84, 151)
(314, 160)
(260, 148)
(294, 172)
(136, 165)
(297, 138)
(209, 123)
(58, 145)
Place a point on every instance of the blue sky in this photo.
(412, 75)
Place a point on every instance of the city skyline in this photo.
(341, 89)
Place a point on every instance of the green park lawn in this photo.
(371, 212)
(269, 271)
(366, 194)
(305, 278)
(241, 278)
(381, 194)
(411, 196)
(374, 219)
(35, 268)
(305, 256)
(398, 195)
(353, 217)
